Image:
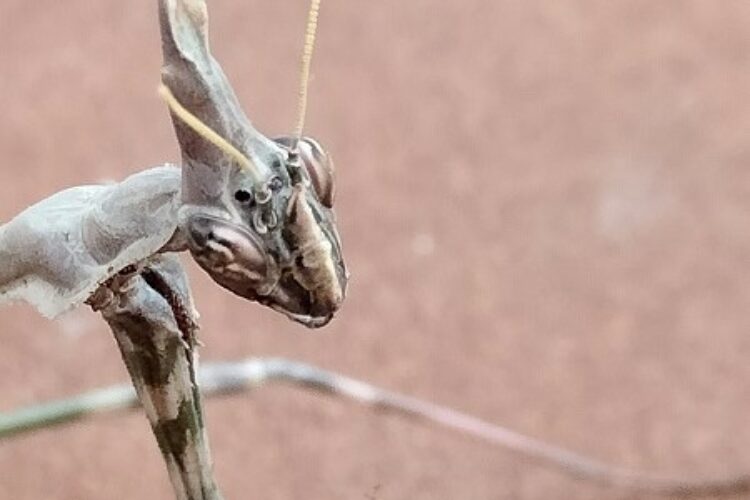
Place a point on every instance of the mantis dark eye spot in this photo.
(275, 184)
(243, 196)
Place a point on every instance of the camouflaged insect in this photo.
(268, 235)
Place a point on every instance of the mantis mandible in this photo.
(255, 213)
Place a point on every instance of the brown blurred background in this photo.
(544, 207)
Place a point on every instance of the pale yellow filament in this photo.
(307, 53)
(204, 130)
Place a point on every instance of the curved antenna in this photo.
(307, 53)
(205, 131)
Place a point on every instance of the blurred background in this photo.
(544, 209)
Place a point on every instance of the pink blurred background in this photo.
(544, 207)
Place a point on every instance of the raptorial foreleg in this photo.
(152, 316)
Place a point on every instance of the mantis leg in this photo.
(151, 314)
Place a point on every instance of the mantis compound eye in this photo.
(317, 163)
(231, 254)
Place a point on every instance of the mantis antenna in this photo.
(205, 131)
(307, 53)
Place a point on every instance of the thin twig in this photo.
(235, 377)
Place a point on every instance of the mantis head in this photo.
(278, 245)
(257, 214)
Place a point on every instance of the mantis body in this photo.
(255, 213)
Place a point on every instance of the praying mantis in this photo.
(255, 213)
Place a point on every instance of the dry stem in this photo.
(236, 377)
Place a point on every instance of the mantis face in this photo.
(257, 215)
(279, 245)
